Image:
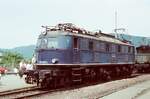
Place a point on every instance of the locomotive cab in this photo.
(53, 52)
(54, 48)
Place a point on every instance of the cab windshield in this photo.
(59, 42)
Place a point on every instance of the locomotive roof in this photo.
(70, 29)
(103, 38)
(100, 37)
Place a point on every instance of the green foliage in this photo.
(11, 59)
(26, 51)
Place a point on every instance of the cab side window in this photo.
(119, 48)
(107, 47)
(129, 49)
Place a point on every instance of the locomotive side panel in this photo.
(93, 51)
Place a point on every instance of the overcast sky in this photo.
(21, 20)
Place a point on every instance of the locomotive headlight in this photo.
(44, 30)
(55, 60)
(43, 33)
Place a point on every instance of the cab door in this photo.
(76, 52)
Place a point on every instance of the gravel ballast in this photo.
(96, 91)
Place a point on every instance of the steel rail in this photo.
(16, 91)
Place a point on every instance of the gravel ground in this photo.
(138, 91)
(145, 95)
(100, 90)
(9, 82)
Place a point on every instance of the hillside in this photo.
(26, 51)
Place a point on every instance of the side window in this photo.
(75, 42)
(90, 45)
(113, 48)
(84, 44)
(129, 49)
(126, 49)
(107, 47)
(132, 49)
(97, 46)
(102, 46)
(123, 49)
(119, 48)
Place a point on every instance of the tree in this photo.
(11, 59)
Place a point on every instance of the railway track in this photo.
(30, 92)
(19, 93)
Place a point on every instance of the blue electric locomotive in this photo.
(68, 55)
